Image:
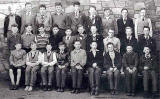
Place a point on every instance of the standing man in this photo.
(78, 60)
(27, 17)
(141, 22)
(123, 22)
(76, 18)
(112, 63)
(10, 20)
(43, 17)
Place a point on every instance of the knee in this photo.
(18, 71)
(63, 72)
(10, 71)
(50, 71)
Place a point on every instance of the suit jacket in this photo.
(122, 26)
(99, 40)
(144, 42)
(95, 59)
(69, 43)
(108, 61)
(73, 21)
(98, 23)
(125, 42)
(82, 39)
(6, 23)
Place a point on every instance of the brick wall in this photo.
(152, 6)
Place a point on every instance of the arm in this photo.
(23, 59)
(54, 60)
(5, 26)
(118, 45)
(84, 58)
(150, 25)
(124, 62)
(136, 26)
(106, 63)
(11, 59)
(72, 60)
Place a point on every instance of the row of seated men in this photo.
(56, 51)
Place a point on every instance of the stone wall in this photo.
(152, 6)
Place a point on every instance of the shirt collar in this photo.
(28, 33)
(93, 50)
(77, 51)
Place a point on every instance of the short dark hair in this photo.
(28, 3)
(111, 28)
(77, 41)
(91, 6)
(142, 9)
(55, 25)
(41, 25)
(80, 25)
(68, 29)
(26, 25)
(14, 25)
(124, 9)
(110, 43)
(128, 27)
(42, 6)
(58, 4)
(61, 43)
(93, 25)
(147, 27)
(76, 3)
(107, 9)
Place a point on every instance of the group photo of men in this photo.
(45, 47)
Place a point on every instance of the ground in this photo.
(5, 93)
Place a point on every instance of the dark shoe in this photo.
(73, 91)
(49, 88)
(145, 95)
(112, 92)
(77, 91)
(11, 87)
(45, 88)
(92, 93)
(96, 93)
(128, 94)
(16, 87)
(133, 94)
(58, 90)
(153, 95)
(62, 90)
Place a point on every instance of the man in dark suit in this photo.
(147, 40)
(10, 20)
(93, 19)
(149, 69)
(123, 22)
(129, 40)
(76, 18)
(94, 64)
(94, 37)
(130, 63)
(112, 63)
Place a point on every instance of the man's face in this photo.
(124, 13)
(41, 29)
(58, 8)
(143, 13)
(29, 7)
(29, 28)
(110, 33)
(107, 12)
(81, 30)
(14, 29)
(146, 31)
(68, 32)
(93, 45)
(49, 47)
(18, 46)
(129, 49)
(92, 11)
(33, 46)
(77, 45)
(61, 47)
(55, 30)
(146, 50)
(110, 48)
(42, 10)
(76, 7)
(93, 30)
(128, 32)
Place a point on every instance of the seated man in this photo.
(62, 64)
(48, 62)
(33, 60)
(130, 63)
(17, 63)
(94, 64)
(112, 63)
(149, 67)
(78, 60)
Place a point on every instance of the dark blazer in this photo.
(150, 62)
(108, 62)
(97, 59)
(99, 40)
(150, 43)
(98, 23)
(69, 43)
(6, 23)
(125, 42)
(121, 27)
(130, 60)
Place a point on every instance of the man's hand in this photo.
(94, 65)
(59, 66)
(111, 69)
(114, 69)
(146, 68)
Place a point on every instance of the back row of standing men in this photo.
(91, 33)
